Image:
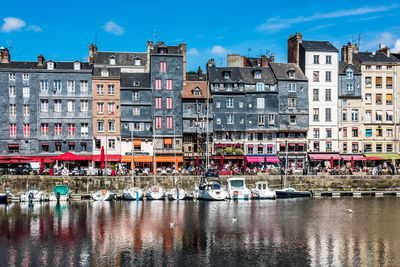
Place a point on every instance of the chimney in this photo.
(40, 60)
(385, 50)
(293, 48)
(150, 45)
(92, 52)
(272, 58)
(200, 72)
(348, 52)
(183, 48)
(5, 55)
(264, 61)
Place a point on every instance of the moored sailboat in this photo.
(133, 193)
(210, 190)
(103, 195)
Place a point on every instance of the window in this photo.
(378, 147)
(292, 119)
(368, 98)
(378, 99)
(316, 133)
(12, 91)
(71, 146)
(84, 129)
(57, 129)
(368, 132)
(45, 147)
(292, 87)
(389, 82)
(389, 132)
(137, 61)
(13, 110)
(261, 120)
(163, 66)
(71, 106)
(368, 67)
(25, 91)
(228, 87)
(257, 75)
(158, 103)
(44, 85)
(230, 119)
(378, 67)
(368, 115)
(112, 60)
(345, 147)
(57, 85)
(316, 94)
(349, 74)
(368, 81)
(354, 147)
(11, 76)
(291, 102)
(77, 65)
(328, 146)
(111, 144)
(272, 87)
(240, 104)
(355, 132)
(136, 111)
(168, 85)
(328, 96)
(111, 126)
(218, 121)
(111, 107)
(388, 67)
(84, 105)
(13, 130)
(349, 87)
(316, 114)
(138, 126)
(57, 106)
(328, 59)
(354, 115)
(157, 84)
(316, 146)
(111, 89)
(328, 113)
(260, 103)
(83, 147)
(389, 147)
(100, 89)
(97, 144)
(389, 99)
(260, 87)
(229, 102)
(316, 76)
(328, 76)
(271, 119)
(100, 107)
(44, 105)
(328, 133)
(26, 110)
(158, 122)
(58, 147)
(71, 86)
(100, 126)
(250, 149)
(389, 115)
(197, 92)
(135, 96)
(316, 59)
(84, 86)
(260, 149)
(368, 148)
(50, 66)
(71, 129)
(378, 82)
(345, 132)
(378, 115)
(104, 73)
(168, 103)
(170, 122)
(25, 77)
(344, 115)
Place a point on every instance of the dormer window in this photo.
(197, 92)
(291, 74)
(77, 65)
(257, 75)
(136, 83)
(50, 65)
(349, 74)
(137, 61)
(104, 72)
(162, 50)
(272, 87)
(112, 60)
(226, 75)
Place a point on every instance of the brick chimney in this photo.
(40, 60)
(293, 48)
(183, 48)
(5, 55)
(348, 52)
(385, 50)
(92, 52)
(200, 72)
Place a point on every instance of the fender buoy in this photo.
(236, 193)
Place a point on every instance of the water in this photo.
(316, 232)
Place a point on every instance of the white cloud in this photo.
(193, 52)
(218, 50)
(277, 24)
(12, 24)
(396, 48)
(113, 28)
(34, 28)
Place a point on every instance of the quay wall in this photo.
(87, 184)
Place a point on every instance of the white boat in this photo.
(237, 189)
(133, 193)
(262, 191)
(60, 193)
(155, 193)
(176, 194)
(33, 195)
(210, 190)
(103, 195)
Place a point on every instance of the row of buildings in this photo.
(315, 107)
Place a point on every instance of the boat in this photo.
(210, 190)
(237, 189)
(177, 194)
(33, 195)
(155, 193)
(4, 198)
(263, 191)
(60, 193)
(103, 195)
(290, 192)
(133, 193)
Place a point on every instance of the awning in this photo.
(228, 157)
(270, 159)
(71, 156)
(71, 143)
(270, 145)
(385, 156)
(169, 159)
(45, 144)
(292, 144)
(374, 158)
(46, 159)
(107, 158)
(137, 142)
(137, 159)
(168, 141)
(379, 112)
(12, 145)
(324, 156)
(282, 144)
(260, 145)
(301, 144)
(250, 146)
(355, 157)
(389, 112)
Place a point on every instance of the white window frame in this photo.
(84, 105)
(260, 87)
(25, 92)
(229, 102)
(230, 119)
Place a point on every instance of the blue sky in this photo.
(63, 30)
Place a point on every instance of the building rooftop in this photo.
(321, 46)
(372, 57)
(240, 75)
(135, 80)
(121, 58)
(195, 84)
(160, 49)
(33, 65)
(282, 70)
(112, 72)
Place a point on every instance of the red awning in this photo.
(301, 144)
(355, 157)
(251, 145)
(282, 144)
(324, 156)
(374, 158)
(107, 158)
(260, 145)
(71, 156)
(270, 145)
(12, 145)
(292, 144)
(270, 159)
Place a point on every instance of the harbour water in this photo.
(301, 232)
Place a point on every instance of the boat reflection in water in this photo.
(294, 232)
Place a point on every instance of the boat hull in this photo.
(62, 197)
(103, 196)
(4, 199)
(175, 194)
(133, 194)
(296, 194)
(240, 194)
(33, 196)
(155, 195)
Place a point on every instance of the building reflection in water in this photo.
(283, 232)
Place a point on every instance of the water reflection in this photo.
(288, 232)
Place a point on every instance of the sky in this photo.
(63, 30)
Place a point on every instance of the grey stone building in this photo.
(293, 113)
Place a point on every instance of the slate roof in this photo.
(33, 65)
(171, 49)
(281, 71)
(128, 80)
(321, 46)
(196, 77)
(112, 72)
(343, 65)
(396, 56)
(121, 58)
(379, 57)
(240, 75)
